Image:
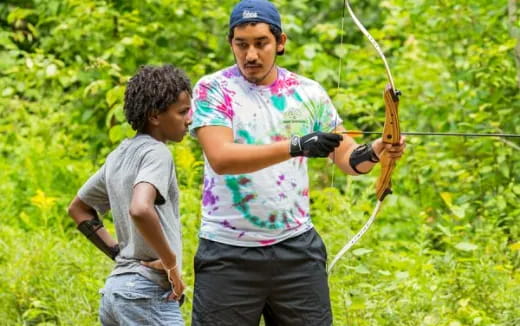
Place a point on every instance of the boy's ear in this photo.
(153, 119)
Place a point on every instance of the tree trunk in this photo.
(515, 33)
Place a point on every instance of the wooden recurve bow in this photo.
(391, 135)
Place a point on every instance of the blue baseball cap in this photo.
(261, 11)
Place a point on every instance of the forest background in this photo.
(445, 249)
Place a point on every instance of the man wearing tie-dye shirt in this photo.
(258, 124)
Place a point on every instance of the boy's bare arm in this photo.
(146, 219)
(83, 215)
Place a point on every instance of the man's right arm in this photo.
(227, 157)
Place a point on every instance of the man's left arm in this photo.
(350, 156)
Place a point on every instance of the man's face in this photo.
(173, 123)
(254, 48)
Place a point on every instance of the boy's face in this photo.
(173, 123)
(255, 48)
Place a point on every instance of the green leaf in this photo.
(51, 70)
(18, 13)
(310, 51)
(7, 92)
(114, 95)
(361, 269)
(466, 246)
(384, 272)
(361, 251)
(116, 134)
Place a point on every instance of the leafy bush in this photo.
(443, 251)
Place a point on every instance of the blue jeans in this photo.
(131, 299)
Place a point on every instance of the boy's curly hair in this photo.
(152, 90)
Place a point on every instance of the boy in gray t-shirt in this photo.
(138, 183)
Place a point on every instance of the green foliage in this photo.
(445, 250)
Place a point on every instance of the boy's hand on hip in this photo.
(174, 277)
(178, 286)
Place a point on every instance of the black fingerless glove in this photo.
(316, 144)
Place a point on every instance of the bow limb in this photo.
(355, 238)
(374, 44)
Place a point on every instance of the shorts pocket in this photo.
(133, 295)
(133, 308)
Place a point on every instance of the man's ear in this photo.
(281, 45)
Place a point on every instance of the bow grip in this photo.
(391, 135)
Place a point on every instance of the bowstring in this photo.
(336, 120)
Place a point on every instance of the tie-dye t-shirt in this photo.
(272, 204)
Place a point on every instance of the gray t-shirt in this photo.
(140, 159)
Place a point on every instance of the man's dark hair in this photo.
(152, 90)
(273, 29)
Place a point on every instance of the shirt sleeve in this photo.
(156, 168)
(212, 106)
(94, 192)
(326, 114)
